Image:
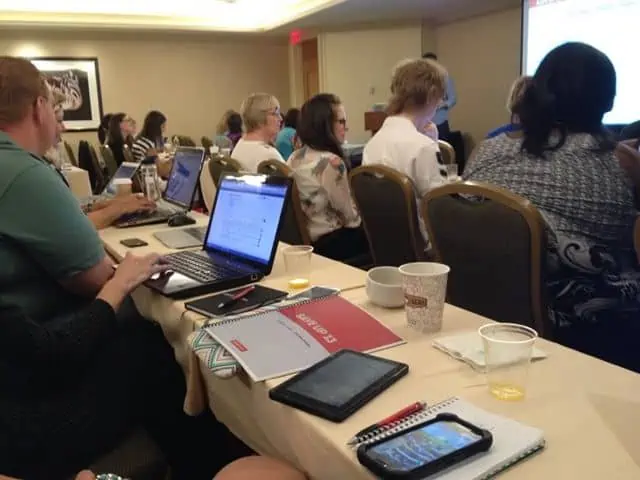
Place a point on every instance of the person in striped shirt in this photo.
(151, 137)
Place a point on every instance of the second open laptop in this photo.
(241, 240)
(181, 188)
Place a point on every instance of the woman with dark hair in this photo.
(103, 129)
(285, 141)
(151, 137)
(321, 178)
(234, 128)
(121, 127)
(566, 166)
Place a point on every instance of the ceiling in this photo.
(236, 15)
(353, 12)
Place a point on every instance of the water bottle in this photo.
(150, 176)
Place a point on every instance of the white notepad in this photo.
(512, 441)
(468, 348)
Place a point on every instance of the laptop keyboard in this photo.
(198, 267)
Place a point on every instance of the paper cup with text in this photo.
(122, 186)
(424, 286)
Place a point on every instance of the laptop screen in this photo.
(125, 170)
(245, 218)
(184, 176)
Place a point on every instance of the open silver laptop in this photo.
(178, 196)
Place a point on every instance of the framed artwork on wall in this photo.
(77, 79)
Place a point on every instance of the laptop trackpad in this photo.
(169, 284)
(177, 239)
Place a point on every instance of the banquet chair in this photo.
(218, 165)
(109, 160)
(207, 186)
(184, 141)
(386, 201)
(87, 160)
(207, 143)
(495, 243)
(294, 229)
(137, 457)
(447, 152)
(70, 154)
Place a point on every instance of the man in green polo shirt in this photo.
(51, 258)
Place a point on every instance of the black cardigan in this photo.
(38, 357)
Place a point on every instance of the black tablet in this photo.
(339, 385)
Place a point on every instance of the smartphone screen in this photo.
(313, 293)
(422, 446)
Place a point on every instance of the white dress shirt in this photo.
(399, 145)
(251, 153)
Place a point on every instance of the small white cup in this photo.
(384, 287)
(123, 186)
(425, 287)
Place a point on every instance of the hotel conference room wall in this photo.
(483, 55)
(192, 78)
(357, 65)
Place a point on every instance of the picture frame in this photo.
(78, 80)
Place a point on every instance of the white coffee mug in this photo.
(425, 287)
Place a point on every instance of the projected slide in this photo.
(609, 25)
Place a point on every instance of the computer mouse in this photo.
(180, 219)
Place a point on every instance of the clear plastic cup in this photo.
(297, 264)
(508, 348)
(452, 172)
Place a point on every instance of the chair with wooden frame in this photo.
(99, 179)
(207, 143)
(447, 152)
(294, 227)
(70, 154)
(495, 243)
(387, 204)
(184, 140)
(109, 160)
(217, 165)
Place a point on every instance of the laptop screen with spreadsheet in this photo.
(184, 176)
(246, 217)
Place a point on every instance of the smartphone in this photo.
(313, 293)
(133, 242)
(425, 449)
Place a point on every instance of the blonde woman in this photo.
(417, 89)
(262, 120)
(515, 95)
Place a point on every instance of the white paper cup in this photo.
(425, 287)
(122, 186)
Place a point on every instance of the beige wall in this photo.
(357, 66)
(191, 78)
(483, 56)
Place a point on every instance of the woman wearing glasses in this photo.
(261, 117)
(321, 178)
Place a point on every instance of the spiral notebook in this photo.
(512, 441)
(280, 342)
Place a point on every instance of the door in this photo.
(310, 76)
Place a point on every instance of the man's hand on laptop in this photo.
(133, 203)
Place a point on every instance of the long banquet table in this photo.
(588, 409)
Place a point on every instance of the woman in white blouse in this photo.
(262, 120)
(322, 180)
(417, 88)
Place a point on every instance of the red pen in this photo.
(237, 296)
(363, 435)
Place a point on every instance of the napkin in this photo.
(468, 348)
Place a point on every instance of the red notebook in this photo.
(280, 342)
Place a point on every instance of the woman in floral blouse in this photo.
(322, 180)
